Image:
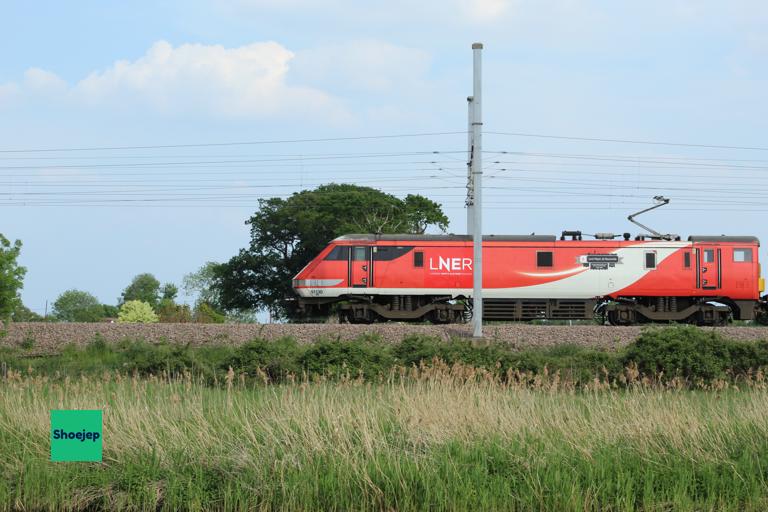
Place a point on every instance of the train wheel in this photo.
(716, 319)
(444, 316)
(357, 315)
(723, 318)
(621, 318)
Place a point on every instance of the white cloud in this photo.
(245, 81)
(249, 81)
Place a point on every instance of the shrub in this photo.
(206, 314)
(275, 358)
(110, 311)
(340, 358)
(145, 359)
(138, 312)
(416, 348)
(24, 314)
(170, 312)
(28, 342)
(746, 356)
(578, 364)
(685, 352)
(97, 345)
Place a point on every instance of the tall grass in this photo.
(437, 437)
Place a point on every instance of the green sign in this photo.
(76, 436)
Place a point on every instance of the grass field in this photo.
(435, 438)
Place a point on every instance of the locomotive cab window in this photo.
(418, 259)
(338, 253)
(650, 259)
(687, 259)
(360, 253)
(709, 255)
(544, 259)
(742, 255)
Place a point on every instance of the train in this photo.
(704, 280)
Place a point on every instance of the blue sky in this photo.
(95, 74)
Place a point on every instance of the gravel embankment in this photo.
(48, 338)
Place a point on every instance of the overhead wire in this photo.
(239, 170)
(239, 143)
(626, 141)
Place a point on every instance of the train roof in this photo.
(446, 238)
(367, 237)
(724, 238)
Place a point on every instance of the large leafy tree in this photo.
(78, 306)
(144, 288)
(287, 233)
(11, 277)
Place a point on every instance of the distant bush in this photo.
(137, 312)
(24, 314)
(341, 358)
(693, 354)
(207, 314)
(276, 359)
(110, 311)
(416, 348)
(145, 358)
(78, 306)
(170, 312)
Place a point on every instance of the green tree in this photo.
(203, 284)
(11, 277)
(170, 312)
(287, 233)
(137, 312)
(145, 288)
(24, 314)
(206, 314)
(110, 311)
(169, 291)
(77, 306)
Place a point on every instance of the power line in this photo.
(223, 144)
(628, 141)
(137, 179)
(636, 161)
(183, 163)
(235, 187)
(629, 157)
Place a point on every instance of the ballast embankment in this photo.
(52, 337)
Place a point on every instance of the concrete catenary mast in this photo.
(476, 169)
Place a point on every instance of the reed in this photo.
(428, 437)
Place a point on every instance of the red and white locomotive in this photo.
(705, 280)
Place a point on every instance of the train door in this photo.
(360, 266)
(709, 267)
